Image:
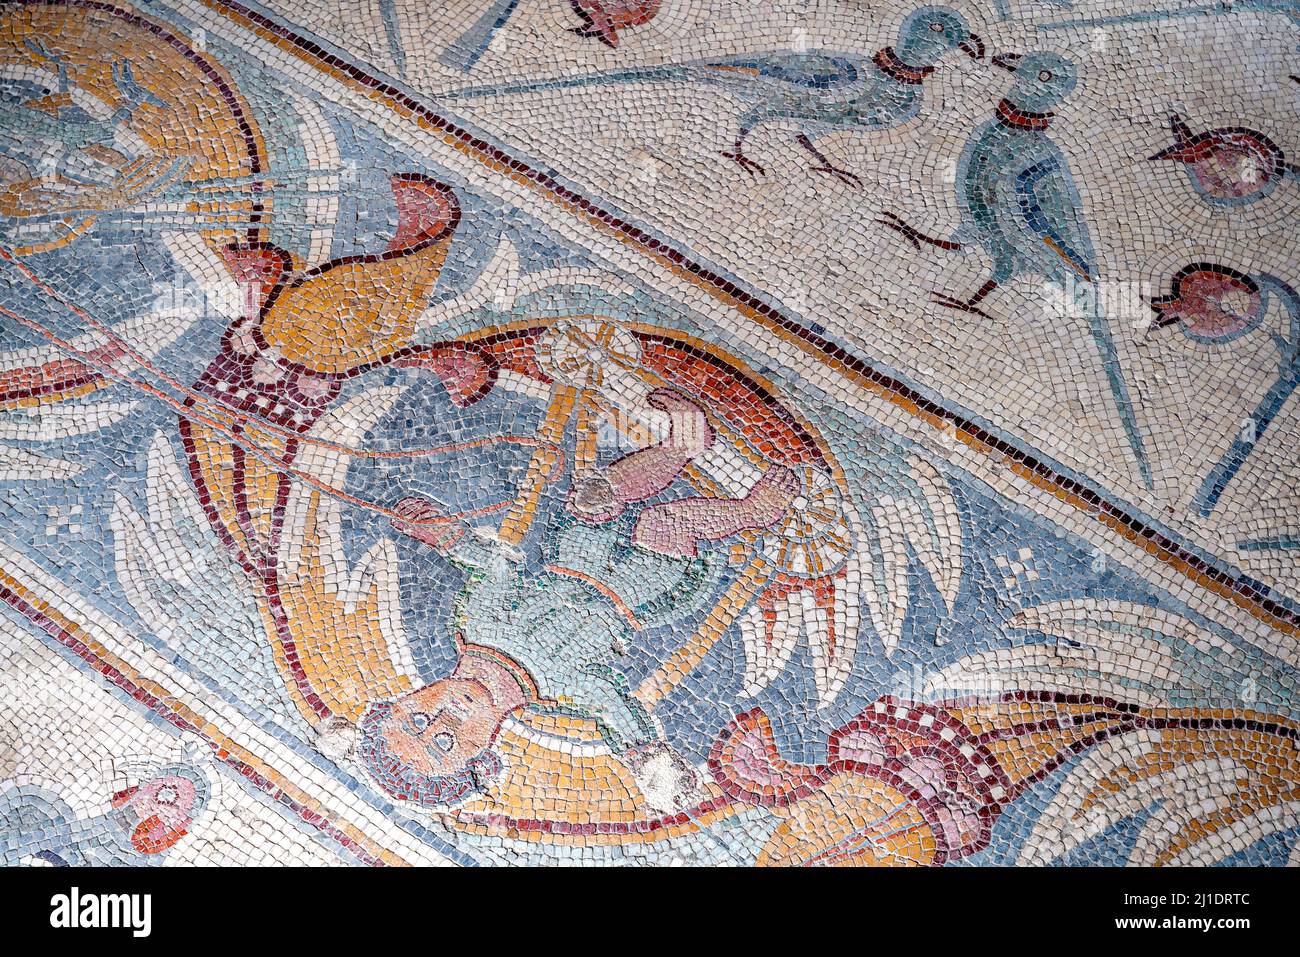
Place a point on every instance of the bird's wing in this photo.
(1047, 207)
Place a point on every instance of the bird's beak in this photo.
(973, 46)
(1007, 61)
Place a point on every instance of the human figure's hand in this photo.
(422, 520)
(689, 428)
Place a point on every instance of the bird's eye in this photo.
(419, 722)
(937, 27)
(1044, 75)
(445, 741)
(167, 796)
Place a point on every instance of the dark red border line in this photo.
(1096, 501)
(160, 708)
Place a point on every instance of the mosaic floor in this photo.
(661, 432)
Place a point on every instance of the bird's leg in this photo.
(915, 236)
(948, 302)
(737, 154)
(843, 175)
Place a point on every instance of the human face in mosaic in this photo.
(440, 728)
(758, 412)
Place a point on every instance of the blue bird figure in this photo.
(823, 91)
(1019, 203)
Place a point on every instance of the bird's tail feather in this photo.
(1119, 388)
(637, 75)
(466, 49)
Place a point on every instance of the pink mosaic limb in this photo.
(676, 528)
(648, 471)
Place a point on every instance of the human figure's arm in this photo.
(454, 540)
(648, 471)
(675, 528)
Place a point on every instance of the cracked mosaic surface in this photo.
(649, 432)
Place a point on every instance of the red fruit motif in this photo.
(1232, 164)
(604, 18)
(163, 807)
(1214, 303)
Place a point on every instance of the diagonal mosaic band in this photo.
(647, 432)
